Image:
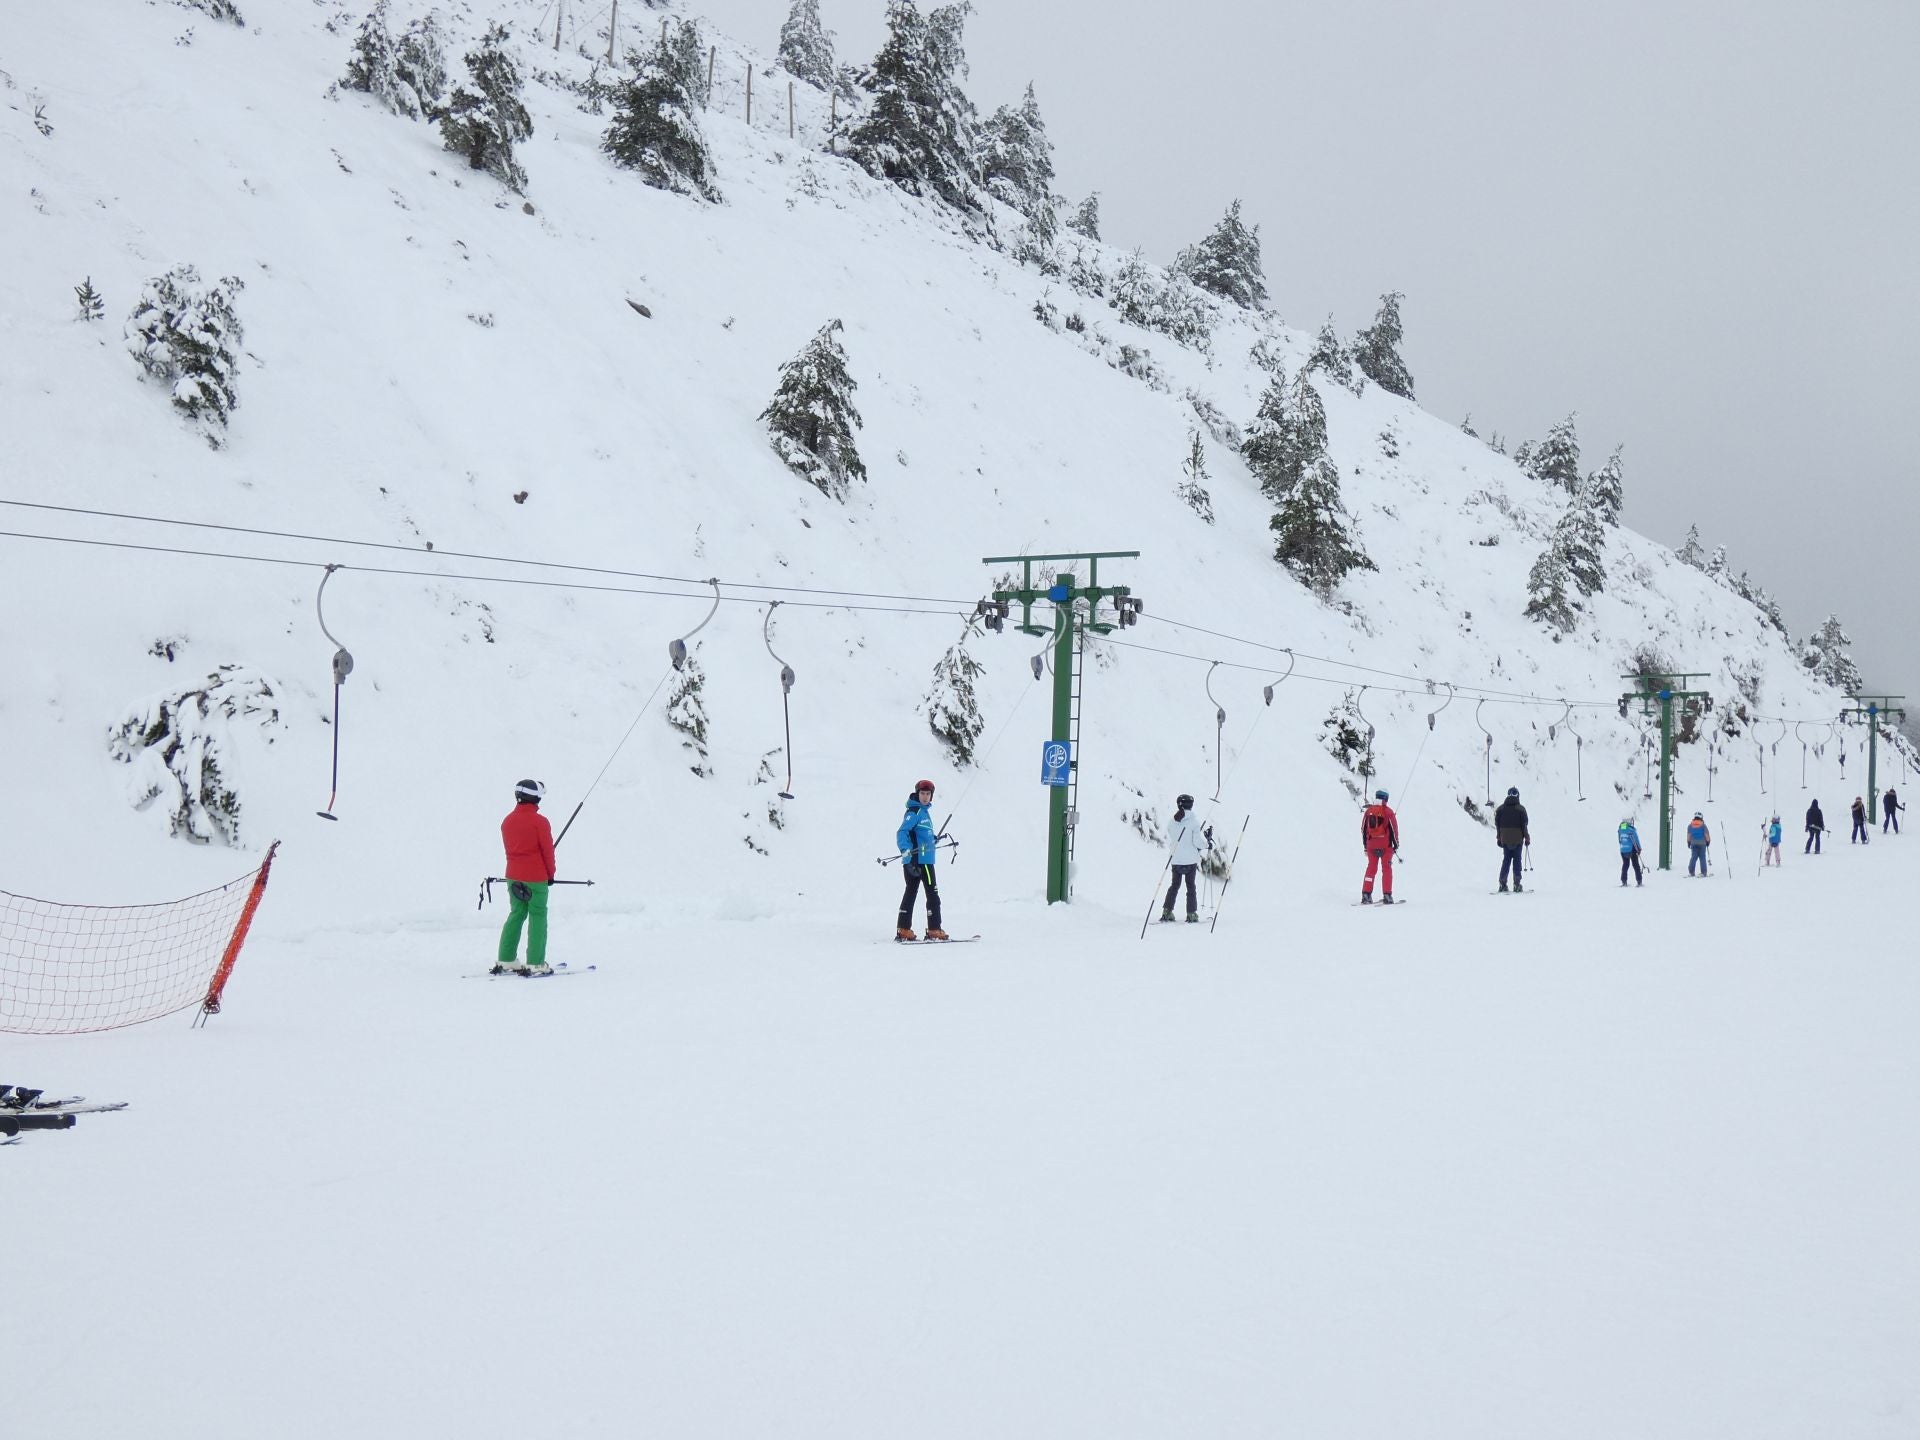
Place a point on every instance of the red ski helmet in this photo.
(926, 785)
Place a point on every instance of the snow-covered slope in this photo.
(420, 350)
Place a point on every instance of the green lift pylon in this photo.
(1664, 689)
(1075, 610)
(1874, 707)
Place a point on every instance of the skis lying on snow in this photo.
(22, 1108)
(545, 972)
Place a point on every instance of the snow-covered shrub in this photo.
(1086, 220)
(812, 419)
(952, 705)
(1210, 415)
(656, 126)
(180, 745)
(1334, 360)
(408, 75)
(218, 9)
(1344, 737)
(188, 339)
(686, 713)
(485, 122)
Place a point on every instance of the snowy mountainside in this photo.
(420, 348)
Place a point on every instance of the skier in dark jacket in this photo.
(918, 846)
(1890, 808)
(1860, 836)
(1816, 827)
(1510, 830)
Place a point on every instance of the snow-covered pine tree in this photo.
(1086, 220)
(1606, 491)
(918, 129)
(1556, 460)
(1309, 522)
(1016, 160)
(1193, 489)
(1716, 567)
(686, 713)
(1287, 436)
(952, 705)
(409, 75)
(656, 117)
(1827, 654)
(188, 339)
(485, 123)
(93, 305)
(806, 46)
(1333, 360)
(1547, 597)
(812, 419)
(1227, 262)
(1376, 349)
(1690, 552)
(1585, 540)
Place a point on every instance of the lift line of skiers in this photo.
(531, 869)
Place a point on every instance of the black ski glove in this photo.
(915, 870)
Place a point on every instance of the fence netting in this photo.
(68, 969)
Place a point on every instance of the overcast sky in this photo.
(1695, 222)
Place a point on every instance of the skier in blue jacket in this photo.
(1771, 855)
(1697, 842)
(1629, 852)
(918, 846)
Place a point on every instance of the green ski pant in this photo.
(519, 912)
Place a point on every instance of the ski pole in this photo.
(486, 887)
(1225, 883)
(1156, 895)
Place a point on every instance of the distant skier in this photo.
(1890, 808)
(1860, 836)
(1629, 853)
(1698, 839)
(1190, 837)
(530, 870)
(1380, 835)
(1816, 827)
(918, 846)
(1510, 830)
(1771, 855)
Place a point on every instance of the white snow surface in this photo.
(1580, 1163)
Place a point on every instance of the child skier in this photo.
(918, 846)
(1510, 830)
(1890, 808)
(1816, 827)
(1189, 836)
(530, 871)
(1629, 853)
(1859, 822)
(1697, 842)
(1380, 834)
(1771, 856)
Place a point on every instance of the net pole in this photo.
(211, 1005)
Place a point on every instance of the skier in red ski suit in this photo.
(1380, 834)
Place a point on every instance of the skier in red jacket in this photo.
(530, 870)
(1380, 834)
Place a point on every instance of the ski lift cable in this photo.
(787, 678)
(645, 706)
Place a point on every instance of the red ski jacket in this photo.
(529, 844)
(1379, 829)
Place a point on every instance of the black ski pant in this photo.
(1509, 856)
(1631, 857)
(1892, 817)
(1859, 832)
(916, 876)
(1182, 872)
(1813, 841)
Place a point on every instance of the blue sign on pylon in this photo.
(1056, 759)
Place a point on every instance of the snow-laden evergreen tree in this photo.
(1227, 262)
(953, 705)
(1556, 459)
(1376, 349)
(1547, 597)
(1333, 360)
(408, 75)
(1716, 567)
(1605, 490)
(180, 745)
(686, 713)
(1193, 489)
(918, 131)
(1585, 540)
(655, 128)
(1828, 656)
(93, 305)
(812, 419)
(485, 122)
(1690, 552)
(806, 47)
(1086, 220)
(1016, 159)
(188, 339)
(1286, 448)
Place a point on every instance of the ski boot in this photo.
(1386, 899)
(1517, 887)
(1166, 916)
(1366, 897)
(936, 933)
(501, 970)
(1193, 917)
(903, 933)
(1503, 887)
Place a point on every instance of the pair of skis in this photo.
(521, 972)
(24, 1108)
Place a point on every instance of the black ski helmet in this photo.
(1513, 792)
(1183, 802)
(529, 790)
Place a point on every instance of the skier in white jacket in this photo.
(1190, 840)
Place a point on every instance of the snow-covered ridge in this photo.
(421, 349)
